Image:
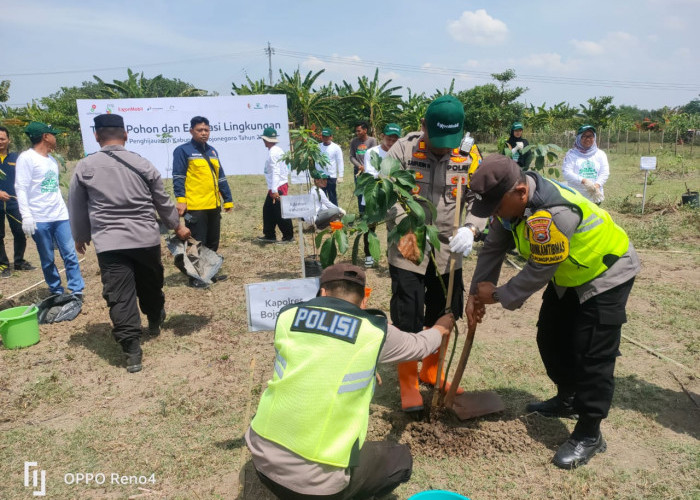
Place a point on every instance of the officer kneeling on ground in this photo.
(588, 265)
(308, 436)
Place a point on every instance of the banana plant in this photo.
(393, 185)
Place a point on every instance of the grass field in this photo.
(175, 429)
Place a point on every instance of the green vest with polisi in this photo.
(597, 242)
(317, 403)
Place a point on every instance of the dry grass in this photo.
(68, 403)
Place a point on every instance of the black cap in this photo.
(109, 120)
(496, 175)
(343, 272)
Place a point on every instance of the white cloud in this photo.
(550, 61)
(587, 48)
(674, 23)
(478, 28)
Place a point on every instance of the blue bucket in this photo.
(438, 495)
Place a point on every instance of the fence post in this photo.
(627, 139)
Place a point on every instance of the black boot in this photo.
(154, 325)
(577, 452)
(560, 406)
(133, 352)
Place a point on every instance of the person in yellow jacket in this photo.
(588, 266)
(307, 438)
(200, 184)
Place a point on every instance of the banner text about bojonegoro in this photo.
(156, 126)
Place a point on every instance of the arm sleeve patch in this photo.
(548, 245)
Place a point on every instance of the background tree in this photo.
(252, 87)
(598, 112)
(137, 85)
(411, 110)
(378, 101)
(4, 90)
(306, 106)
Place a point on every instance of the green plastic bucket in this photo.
(19, 327)
(438, 495)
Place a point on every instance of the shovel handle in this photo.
(464, 357)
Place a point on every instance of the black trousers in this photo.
(205, 226)
(272, 218)
(418, 300)
(579, 344)
(383, 466)
(128, 275)
(20, 241)
(331, 190)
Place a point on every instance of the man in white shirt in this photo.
(44, 213)
(335, 167)
(276, 174)
(325, 210)
(392, 132)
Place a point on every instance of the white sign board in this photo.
(156, 126)
(298, 206)
(266, 299)
(647, 163)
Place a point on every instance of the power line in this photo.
(163, 63)
(560, 80)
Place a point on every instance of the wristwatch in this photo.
(494, 296)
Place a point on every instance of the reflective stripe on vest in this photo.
(317, 403)
(596, 244)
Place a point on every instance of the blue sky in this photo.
(641, 52)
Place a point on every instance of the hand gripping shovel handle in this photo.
(466, 351)
(448, 300)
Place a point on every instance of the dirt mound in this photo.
(444, 439)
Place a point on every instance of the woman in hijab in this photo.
(585, 166)
(516, 142)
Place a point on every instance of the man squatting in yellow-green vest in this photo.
(588, 265)
(307, 438)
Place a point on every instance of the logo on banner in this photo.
(38, 479)
(255, 106)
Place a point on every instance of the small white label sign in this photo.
(297, 206)
(266, 299)
(647, 163)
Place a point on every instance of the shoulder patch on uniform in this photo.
(548, 245)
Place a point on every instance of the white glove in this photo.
(28, 226)
(597, 196)
(342, 212)
(519, 145)
(462, 242)
(339, 179)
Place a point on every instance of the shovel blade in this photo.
(477, 404)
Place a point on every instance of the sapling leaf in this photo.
(328, 252)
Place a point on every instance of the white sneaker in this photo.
(369, 261)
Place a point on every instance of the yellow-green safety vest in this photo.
(317, 403)
(597, 242)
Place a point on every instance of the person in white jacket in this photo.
(325, 210)
(276, 175)
(585, 166)
(44, 213)
(335, 167)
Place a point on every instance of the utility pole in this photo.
(269, 51)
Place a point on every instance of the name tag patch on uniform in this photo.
(548, 245)
(323, 322)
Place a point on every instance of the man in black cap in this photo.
(588, 265)
(294, 455)
(113, 194)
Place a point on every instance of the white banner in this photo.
(266, 299)
(156, 126)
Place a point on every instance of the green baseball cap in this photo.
(326, 132)
(318, 174)
(392, 129)
(270, 135)
(583, 128)
(444, 121)
(37, 129)
(517, 126)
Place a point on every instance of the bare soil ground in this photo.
(68, 404)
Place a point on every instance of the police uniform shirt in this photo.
(113, 207)
(534, 276)
(436, 180)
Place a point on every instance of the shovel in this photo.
(470, 404)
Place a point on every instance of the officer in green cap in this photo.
(335, 167)
(418, 299)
